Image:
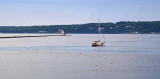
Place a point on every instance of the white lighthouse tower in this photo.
(63, 33)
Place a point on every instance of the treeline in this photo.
(111, 28)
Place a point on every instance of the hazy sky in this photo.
(51, 12)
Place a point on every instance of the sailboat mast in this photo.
(99, 29)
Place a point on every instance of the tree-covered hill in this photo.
(111, 28)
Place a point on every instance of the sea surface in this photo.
(124, 56)
(115, 43)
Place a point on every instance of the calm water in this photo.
(115, 43)
(125, 56)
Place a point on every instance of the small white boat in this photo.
(98, 43)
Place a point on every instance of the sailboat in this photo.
(98, 43)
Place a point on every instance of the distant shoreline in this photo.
(79, 33)
(123, 27)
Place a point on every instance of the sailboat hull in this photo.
(97, 44)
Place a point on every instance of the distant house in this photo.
(75, 28)
(42, 31)
(152, 32)
(128, 26)
(90, 27)
(111, 28)
(135, 32)
(116, 26)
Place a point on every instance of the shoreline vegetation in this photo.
(122, 27)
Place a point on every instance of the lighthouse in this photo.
(63, 33)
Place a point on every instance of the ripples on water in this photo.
(115, 43)
(124, 56)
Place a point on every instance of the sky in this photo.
(58, 12)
